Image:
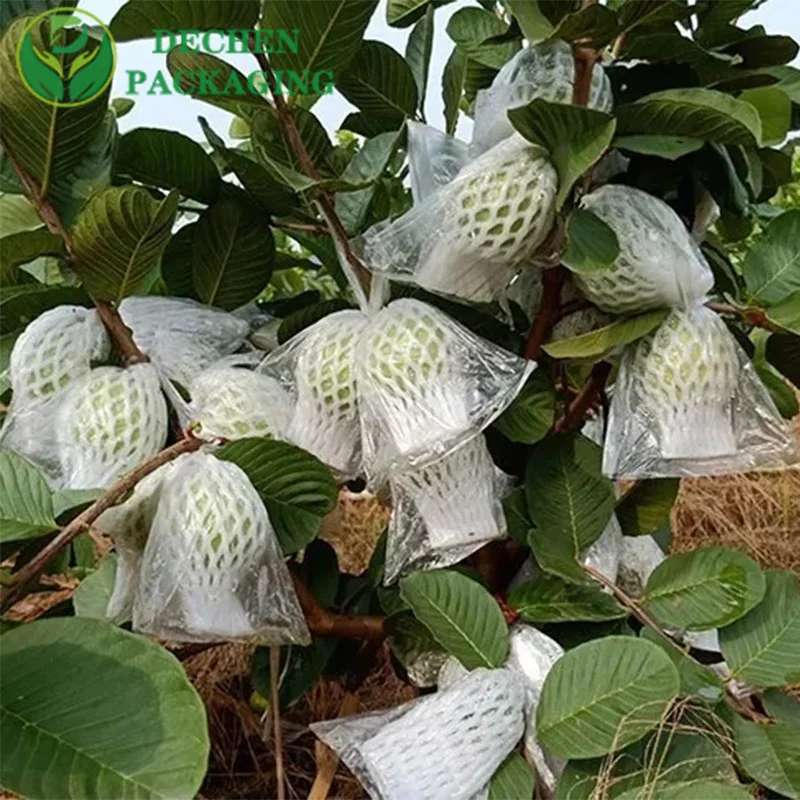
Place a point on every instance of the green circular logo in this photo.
(66, 57)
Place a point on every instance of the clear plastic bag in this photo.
(182, 337)
(659, 264)
(546, 71)
(445, 511)
(444, 746)
(639, 556)
(234, 403)
(212, 569)
(427, 385)
(688, 402)
(472, 236)
(434, 159)
(316, 368)
(604, 554)
(108, 423)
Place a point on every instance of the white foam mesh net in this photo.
(109, 422)
(472, 236)
(234, 403)
(546, 71)
(687, 402)
(316, 367)
(442, 747)
(182, 337)
(659, 264)
(427, 385)
(212, 568)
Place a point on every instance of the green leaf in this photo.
(26, 508)
(763, 647)
(775, 109)
(418, 53)
(569, 501)
(600, 342)
(140, 19)
(166, 159)
(529, 418)
(70, 502)
(21, 304)
(461, 614)
(232, 253)
(513, 780)
(270, 141)
(122, 106)
(651, 12)
(380, 84)
(786, 314)
(595, 26)
(603, 695)
(10, 9)
(575, 136)
(94, 591)
(687, 790)
(592, 245)
(479, 35)
(119, 238)
(707, 588)
(515, 507)
(121, 720)
(669, 147)
(783, 352)
(533, 22)
(366, 166)
(302, 319)
(21, 248)
(764, 51)
(770, 754)
(549, 599)
(297, 488)
(403, 13)
(781, 706)
(453, 79)
(772, 265)
(694, 113)
(647, 505)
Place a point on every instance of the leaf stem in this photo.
(752, 315)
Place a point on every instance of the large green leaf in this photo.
(770, 754)
(461, 614)
(549, 599)
(532, 21)
(88, 710)
(594, 26)
(603, 695)
(232, 253)
(513, 780)
(419, 49)
(707, 588)
(772, 265)
(167, 158)
(139, 19)
(695, 113)
(669, 147)
(453, 80)
(592, 245)
(26, 508)
(21, 304)
(574, 136)
(479, 35)
(25, 246)
(775, 109)
(268, 138)
(600, 342)
(647, 505)
(48, 141)
(119, 237)
(569, 500)
(782, 706)
(10, 9)
(91, 597)
(786, 314)
(529, 418)
(763, 647)
(297, 489)
(402, 13)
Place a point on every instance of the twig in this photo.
(588, 394)
(274, 670)
(548, 313)
(10, 594)
(317, 230)
(120, 333)
(752, 315)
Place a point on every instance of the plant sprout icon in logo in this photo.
(66, 56)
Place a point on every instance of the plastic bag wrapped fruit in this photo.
(235, 403)
(472, 236)
(316, 368)
(427, 385)
(108, 423)
(182, 337)
(444, 746)
(212, 569)
(687, 402)
(434, 159)
(546, 71)
(659, 264)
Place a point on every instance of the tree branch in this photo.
(549, 310)
(588, 394)
(111, 497)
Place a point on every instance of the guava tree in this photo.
(203, 342)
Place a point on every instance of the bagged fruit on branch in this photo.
(688, 402)
(659, 264)
(546, 71)
(427, 385)
(316, 368)
(444, 511)
(57, 349)
(471, 237)
(109, 422)
(212, 569)
(434, 159)
(444, 746)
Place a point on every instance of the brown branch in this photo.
(316, 230)
(10, 594)
(752, 315)
(585, 59)
(549, 309)
(586, 398)
(326, 623)
(120, 333)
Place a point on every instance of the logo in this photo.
(66, 57)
